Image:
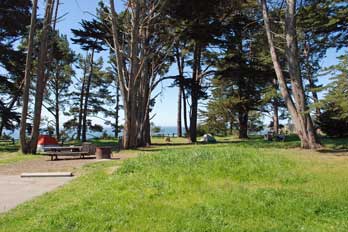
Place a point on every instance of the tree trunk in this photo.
(137, 75)
(82, 94)
(27, 80)
(184, 104)
(178, 124)
(41, 77)
(231, 125)
(57, 107)
(85, 107)
(180, 60)
(57, 119)
(297, 108)
(117, 109)
(195, 92)
(275, 109)
(1, 129)
(194, 114)
(243, 118)
(275, 117)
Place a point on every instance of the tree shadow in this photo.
(336, 152)
(9, 148)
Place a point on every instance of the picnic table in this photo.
(85, 150)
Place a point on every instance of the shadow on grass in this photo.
(9, 148)
(254, 142)
(335, 152)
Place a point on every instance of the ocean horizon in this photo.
(165, 130)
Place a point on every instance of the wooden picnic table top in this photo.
(67, 148)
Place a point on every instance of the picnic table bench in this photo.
(87, 149)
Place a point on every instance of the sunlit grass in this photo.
(217, 187)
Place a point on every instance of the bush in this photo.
(330, 123)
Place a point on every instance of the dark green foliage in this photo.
(330, 122)
(243, 72)
(334, 119)
(14, 18)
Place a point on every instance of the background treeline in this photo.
(246, 60)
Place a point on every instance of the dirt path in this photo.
(44, 165)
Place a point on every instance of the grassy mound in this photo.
(209, 188)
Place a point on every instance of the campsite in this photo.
(173, 115)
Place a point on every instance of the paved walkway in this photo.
(15, 190)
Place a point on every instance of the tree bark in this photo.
(178, 124)
(243, 118)
(137, 76)
(275, 117)
(196, 68)
(85, 107)
(27, 80)
(1, 129)
(180, 60)
(117, 109)
(184, 104)
(275, 104)
(82, 95)
(297, 108)
(41, 77)
(57, 106)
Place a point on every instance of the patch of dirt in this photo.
(124, 156)
(44, 164)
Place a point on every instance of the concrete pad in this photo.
(47, 174)
(15, 190)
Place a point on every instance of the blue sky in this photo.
(166, 106)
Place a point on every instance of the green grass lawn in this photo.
(229, 186)
(9, 154)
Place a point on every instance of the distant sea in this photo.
(165, 130)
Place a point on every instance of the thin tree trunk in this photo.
(85, 107)
(231, 125)
(117, 109)
(180, 60)
(298, 109)
(179, 125)
(195, 93)
(275, 109)
(275, 117)
(184, 104)
(82, 94)
(1, 129)
(27, 80)
(57, 107)
(41, 77)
